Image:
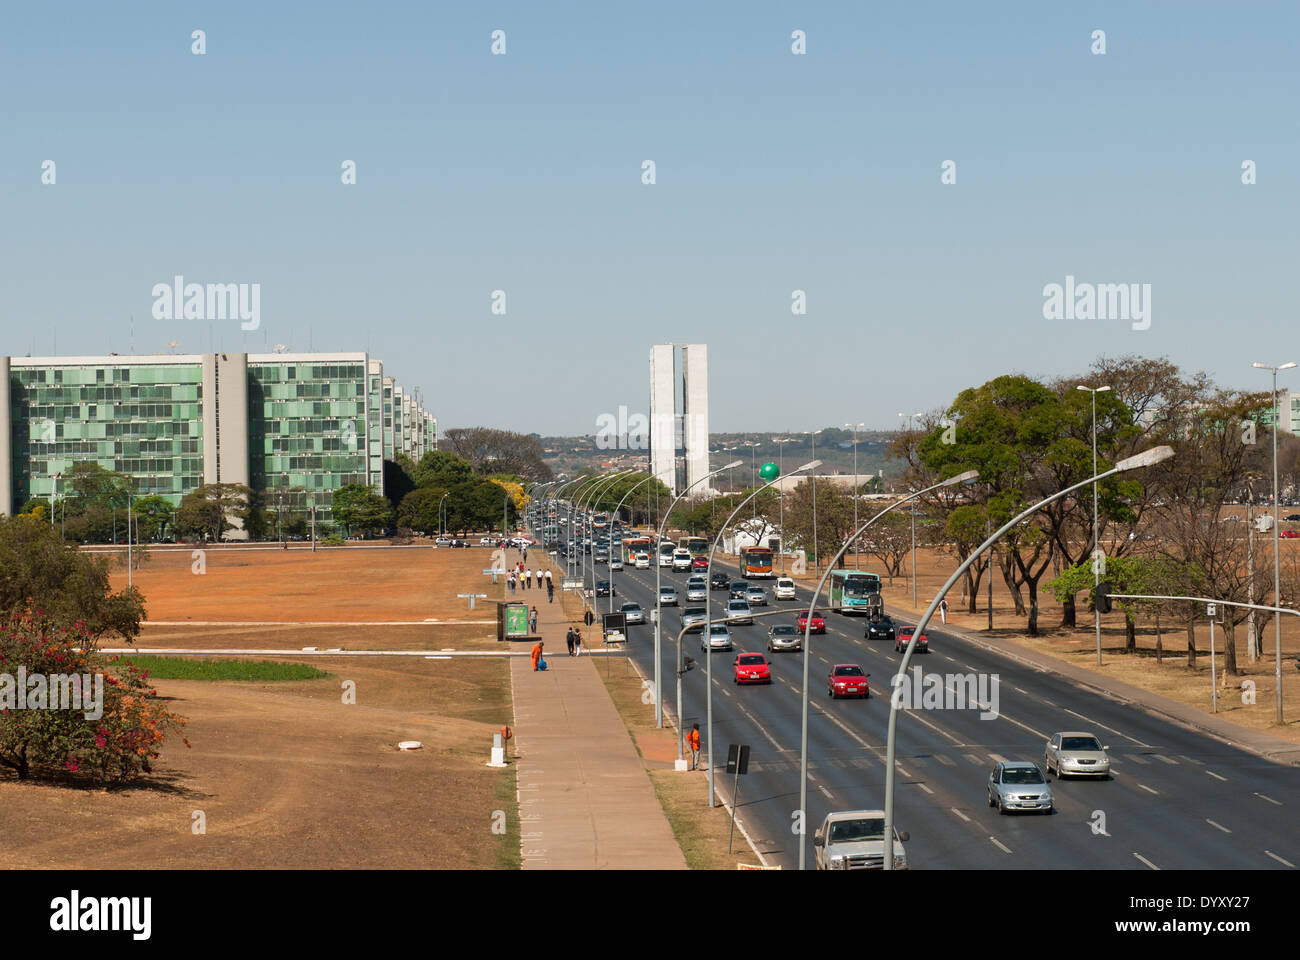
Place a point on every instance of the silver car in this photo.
(694, 619)
(633, 613)
(756, 597)
(1019, 785)
(738, 611)
(1075, 753)
(697, 588)
(667, 595)
(718, 638)
(784, 636)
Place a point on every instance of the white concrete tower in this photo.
(663, 404)
(695, 413)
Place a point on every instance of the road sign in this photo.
(471, 597)
(738, 758)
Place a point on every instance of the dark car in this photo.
(603, 588)
(738, 589)
(880, 628)
(719, 581)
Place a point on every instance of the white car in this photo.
(643, 561)
(718, 638)
(697, 588)
(681, 560)
(665, 559)
(784, 589)
(633, 613)
(855, 840)
(1075, 753)
(738, 611)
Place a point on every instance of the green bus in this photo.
(854, 591)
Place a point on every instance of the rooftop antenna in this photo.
(133, 333)
(172, 345)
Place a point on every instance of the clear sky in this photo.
(775, 173)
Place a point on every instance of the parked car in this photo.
(718, 638)
(847, 680)
(697, 588)
(487, 542)
(738, 612)
(855, 840)
(694, 619)
(880, 628)
(905, 636)
(784, 636)
(756, 596)
(633, 612)
(1076, 753)
(442, 542)
(667, 595)
(818, 621)
(738, 589)
(1019, 785)
(1291, 517)
(719, 581)
(784, 589)
(752, 668)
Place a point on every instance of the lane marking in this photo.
(1146, 861)
(1136, 759)
(1276, 803)
(825, 792)
(960, 814)
(1217, 826)
(1279, 859)
(973, 759)
(1172, 763)
(1000, 845)
(1216, 776)
(925, 788)
(1148, 789)
(1111, 729)
(1199, 763)
(947, 762)
(998, 758)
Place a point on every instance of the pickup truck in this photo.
(855, 840)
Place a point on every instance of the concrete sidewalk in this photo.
(585, 798)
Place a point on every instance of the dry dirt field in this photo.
(285, 774)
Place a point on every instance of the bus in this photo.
(699, 546)
(756, 563)
(855, 591)
(634, 546)
(600, 521)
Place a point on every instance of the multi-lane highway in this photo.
(1178, 798)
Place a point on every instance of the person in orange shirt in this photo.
(537, 654)
(693, 741)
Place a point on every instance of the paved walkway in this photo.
(585, 798)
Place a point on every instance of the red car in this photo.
(1288, 534)
(905, 635)
(699, 563)
(847, 680)
(818, 623)
(752, 668)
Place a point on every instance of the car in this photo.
(1291, 517)
(905, 636)
(738, 589)
(699, 563)
(784, 636)
(694, 619)
(738, 612)
(1019, 785)
(667, 595)
(601, 555)
(855, 840)
(752, 668)
(1288, 535)
(697, 588)
(681, 559)
(642, 561)
(818, 621)
(665, 559)
(633, 612)
(487, 542)
(756, 596)
(460, 544)
(784, 589)
(718, 638)
(1229, 518)
(604, 589)
(880, 628)
(719, 581)
(616, 564)
(442, 542)
(847, 680)
(1076, 753)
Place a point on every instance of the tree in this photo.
(441, 468)
(209, 509)
(154, 514)
(834, 513)
(54, 583)
(358, 507)
(889, 540)
(419, 509)
(499, 451)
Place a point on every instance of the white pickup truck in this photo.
(855, 840)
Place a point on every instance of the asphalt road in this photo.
(1178, 799)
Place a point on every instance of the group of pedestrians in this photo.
(573, 640)
(522, 578)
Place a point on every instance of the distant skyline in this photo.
(775, 173)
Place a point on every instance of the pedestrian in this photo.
(525, 551)
(537, 655)
(532, 621)
(550, 592)
(528, 578)
(511, 581)
(943, 609)
(693, 741)
(577, 642)
(568, 640)
(538, 574)
(548, 576)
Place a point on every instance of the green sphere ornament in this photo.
(768, 472)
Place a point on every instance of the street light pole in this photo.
(1096, 528)
(807, 645)
(913, 512)
(1277, 573)
(708, 646)
(813, 478)
(659, 611)
(1144, 459)
(855, 429)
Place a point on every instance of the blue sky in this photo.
(775, 172)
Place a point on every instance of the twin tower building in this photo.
(680, 426)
